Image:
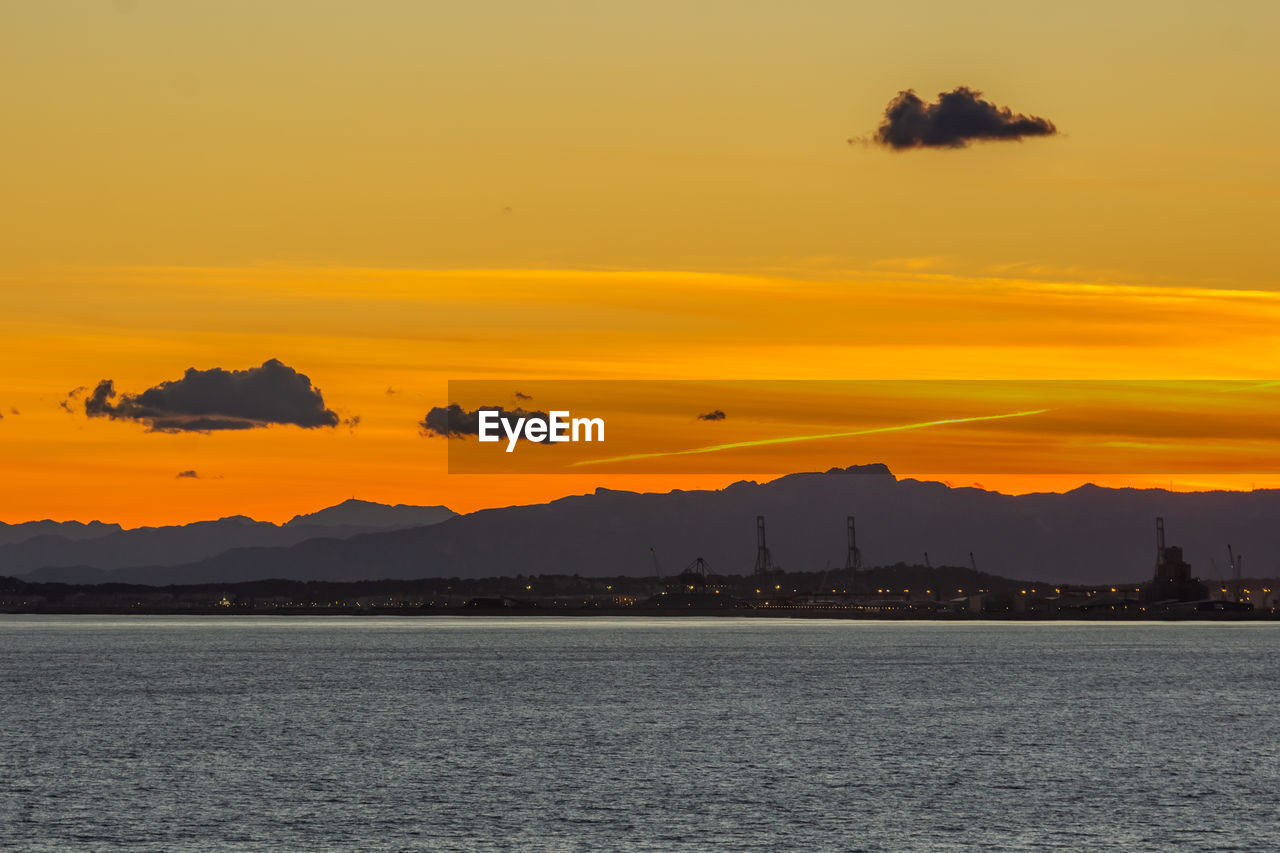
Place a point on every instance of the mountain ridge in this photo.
(1086, 535)
(112, 547)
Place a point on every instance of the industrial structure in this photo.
(764, 560)
(693, 587)
(853, 559)
(886, 591)
(1172, 592)
(1172, 580)
(1234, 561)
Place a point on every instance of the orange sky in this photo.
(389, 196)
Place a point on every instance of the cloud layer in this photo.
(959, 117)
(715, 415)
(217, 399)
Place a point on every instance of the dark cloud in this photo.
(351, 423)
(73, 396)
(520, 395)
(217, 399)
(715, 415)
(391, 392)
(959, 117)
(98, 403)
(13, 410)
(196, 475)
(453, 421)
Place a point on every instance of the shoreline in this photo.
(834, 614)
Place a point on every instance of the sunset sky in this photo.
(385, 196)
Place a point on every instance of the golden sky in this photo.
(389, 195)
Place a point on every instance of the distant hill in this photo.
(356, 513)
(82, 559)
(1088, 535)
(74, 530)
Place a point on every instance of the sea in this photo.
(380, 733)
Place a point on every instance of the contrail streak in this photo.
(759, 442)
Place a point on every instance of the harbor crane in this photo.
(657, 566)
(1234, 563)
(853, 559)
(764, 560)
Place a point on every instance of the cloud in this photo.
(453, 421)
(73, 396)
(216, 399)
(391, 392)
(196, 475)
(959, 117)
(520, 395)
(715, 415)
(351, 423)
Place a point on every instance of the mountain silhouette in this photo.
(1088, 535)
(72, 530)
(56, 556)
(366, 514)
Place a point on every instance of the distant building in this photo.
(1172, 580)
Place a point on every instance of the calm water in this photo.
(462, 734)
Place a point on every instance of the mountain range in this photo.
(1088, 535)
(71, 551)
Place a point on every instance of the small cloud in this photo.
(351, 423)
(715, 415)
(13, 410)
(453, 421)
(196, 475)
(391, 392)
(73, 397)
(216, 399)
(957, 118)
(520, 395)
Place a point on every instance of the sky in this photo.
(386, 196)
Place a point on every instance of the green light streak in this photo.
(761, 442)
